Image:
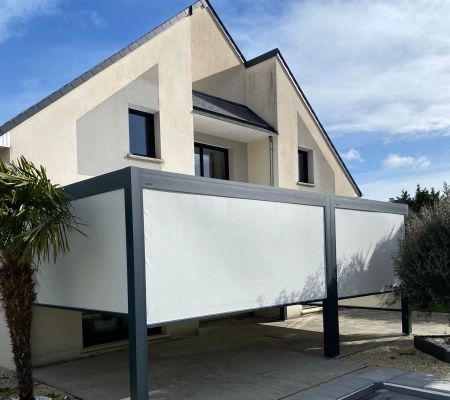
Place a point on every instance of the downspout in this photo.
(271, 159)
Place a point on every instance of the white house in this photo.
(181, 99)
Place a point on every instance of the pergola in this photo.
(164, 248)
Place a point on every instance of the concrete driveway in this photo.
(251, 358)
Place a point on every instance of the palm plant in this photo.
(35, 220)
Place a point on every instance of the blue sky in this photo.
(376, 72)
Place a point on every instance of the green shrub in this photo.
(422, 260)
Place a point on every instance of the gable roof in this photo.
(226, 110)
(7, 126)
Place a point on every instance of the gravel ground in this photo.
(8, 384)
(400, 354)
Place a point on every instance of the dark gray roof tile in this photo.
(44, 103)
(115, 57)
(124, 51)
(1, 132)
(98, 68)
(77, 82)
(20, 118)
(133, 46)
(142, 40)
(228, 110)
(87, 75)
(55, 96)
(66, 89)
(105, 64)
(32, 110)
(7, 126)
(182, 14)
(150, 35)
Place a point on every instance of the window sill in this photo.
(306, 184)
(146, 159)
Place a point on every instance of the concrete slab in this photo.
(337, 391)
(442, 385)
(236, 359)
(356, 383)
(383, 374)
(315, 397)
(227, 361)
(413, 379)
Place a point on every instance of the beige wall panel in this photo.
(374, 301)
(4, 155)
(258, 162)
(324, 175)
(102, 145)
(237, 154)
(261, 91)
(290, 109)
(216, 68)
(6, 357)
(56, 335)
(49, 137)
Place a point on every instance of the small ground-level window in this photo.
(303, 166)
(141, 133)
(210, 161)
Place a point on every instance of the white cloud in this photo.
(394, 161)
(15, 14)
(352, 155)
(366, 66)
(86, 16)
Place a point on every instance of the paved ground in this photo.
(251, 358)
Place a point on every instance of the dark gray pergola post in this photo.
(330, 305)
(406, 317)
(137, 301)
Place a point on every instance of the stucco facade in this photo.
(85, 133)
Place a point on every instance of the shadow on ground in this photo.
(251, 358)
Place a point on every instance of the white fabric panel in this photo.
(208, 255)
(93, 275)
(364, 242)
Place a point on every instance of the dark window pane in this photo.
(198, 171)
(303, 166)
(138, 134)
(211, 162)
(214, 164)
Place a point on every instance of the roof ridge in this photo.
(56, 95)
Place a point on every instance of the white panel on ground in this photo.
(208, 255)
(364, 243)
(93, 275)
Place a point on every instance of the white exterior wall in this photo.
(216, 67)
(85, 133)
(72, 130)
(297, 128)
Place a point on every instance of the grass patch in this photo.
(437, 308)
(52, 395)
(407, 352)
(6, 393)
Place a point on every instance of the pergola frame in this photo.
(133, 180)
